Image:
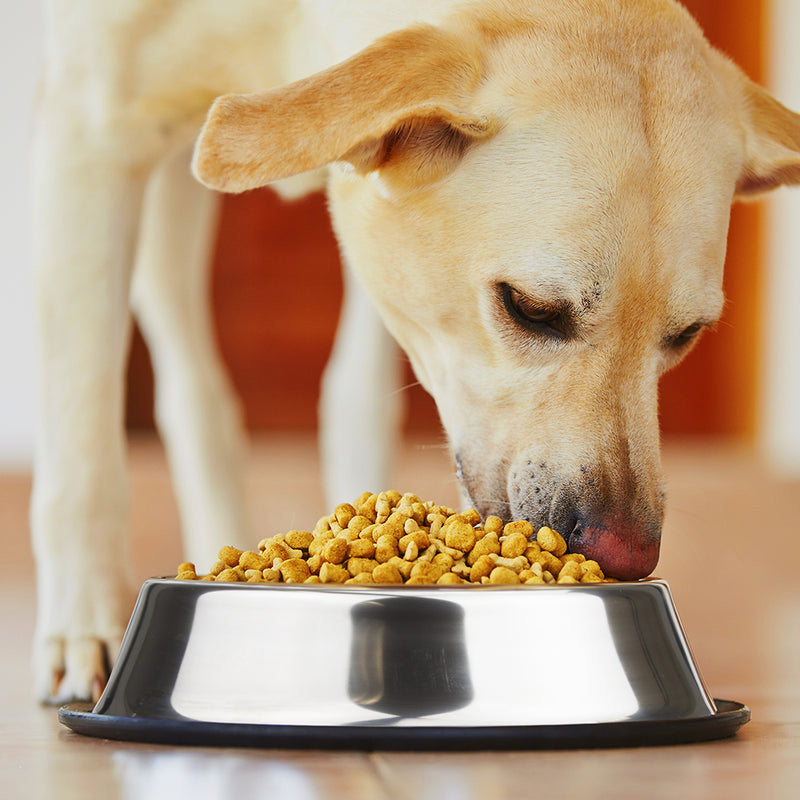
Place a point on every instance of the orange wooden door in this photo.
(277, 286)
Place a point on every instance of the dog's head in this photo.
(539, 207)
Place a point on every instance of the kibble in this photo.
(392, 538)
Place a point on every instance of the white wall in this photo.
(20, 55)
(779, 435)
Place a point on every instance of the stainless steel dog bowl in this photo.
(380, 667)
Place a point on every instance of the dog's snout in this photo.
(625, 549)
(613, 519)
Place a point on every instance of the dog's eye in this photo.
(686, 335)
(533, 315)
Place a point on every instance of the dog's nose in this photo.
(624, 550)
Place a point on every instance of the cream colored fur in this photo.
(570, 157)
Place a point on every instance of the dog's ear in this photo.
(772, 144)
(403, 100)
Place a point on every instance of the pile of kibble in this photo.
(391, 538)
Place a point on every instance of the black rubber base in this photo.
(80, 718)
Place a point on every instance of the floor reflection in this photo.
(202, 775)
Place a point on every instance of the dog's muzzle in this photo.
(596, 516)
(602, 518)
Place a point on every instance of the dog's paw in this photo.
(73, 669)
(78, 637)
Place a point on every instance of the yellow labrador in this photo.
(535, 194)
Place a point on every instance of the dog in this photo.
(534, 194)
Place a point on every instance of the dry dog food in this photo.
(392, 538)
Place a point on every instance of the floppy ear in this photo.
(772, 144)
(403, 99)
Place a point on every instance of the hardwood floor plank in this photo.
(761, 761)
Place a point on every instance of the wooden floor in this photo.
(731, 555)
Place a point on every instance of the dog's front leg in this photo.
(197, 412)
(86, 211)
(361, 402)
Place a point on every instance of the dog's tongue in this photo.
(622, 552)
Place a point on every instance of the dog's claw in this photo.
(56, 681)
(98, 685)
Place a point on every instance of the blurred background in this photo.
(275, 326)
